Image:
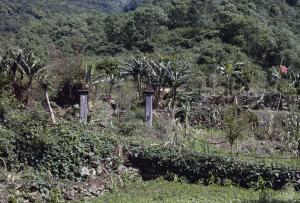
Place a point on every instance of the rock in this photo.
(96, 190)
(91, 154)
(53, 104)
(99, 170)
(93, 173)
(70, 194)
(122, 169)
(84, 172)
(33, 196)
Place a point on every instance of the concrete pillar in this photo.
(149, 107)
(84, 109)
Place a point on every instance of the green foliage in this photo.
(24, 67)
(108, 66)
(55, 197)
(285, 87)
(234, 77)
(245, 38)
(158, 74)
(160, 191)
(157, 161)
(133, 128)
(12, 199)
(62, 149)
(234, 124)
(212, 33)
(136, 68)
(109, 69)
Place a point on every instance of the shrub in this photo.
(61, 149)
(234, 124)
(195, 167)
(135, 113)
(6, 141)
(134, 127)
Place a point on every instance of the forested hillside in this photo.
(209, 31)
(16, 14)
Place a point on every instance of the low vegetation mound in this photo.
(195, 167)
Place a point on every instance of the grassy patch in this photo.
(169, 192)
(202, 146)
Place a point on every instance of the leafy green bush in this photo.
(6, 141)
(61, 149)
(158, 161)
(134, 127)
(135, 113)
(234, 125)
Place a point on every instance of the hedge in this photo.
(195, 167)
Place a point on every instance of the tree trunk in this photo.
(139, 84)
(28, 92)
(278, 105)
(186, 126)
(174, 102)
(111, 86)
(237, 147)
(97, 93)
(230, 88)
(49, 107)
(157, 97)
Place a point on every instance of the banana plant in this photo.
(137, 69)
(90, 78)
(157, 78)
(178, 73)
(24, 67)
(233, 74)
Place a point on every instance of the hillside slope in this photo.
(210, 32)
(18, 13)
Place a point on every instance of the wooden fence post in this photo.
(149, 107)
(84, 109)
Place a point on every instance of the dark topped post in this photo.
(149, 107)
(84, 109)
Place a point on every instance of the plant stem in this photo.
(50, 108)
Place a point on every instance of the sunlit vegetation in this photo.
(225, 79)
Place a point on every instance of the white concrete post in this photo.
(84, 109)
(149, 107)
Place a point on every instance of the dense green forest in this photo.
(16, 14)
(225, 81)
(210, 33)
